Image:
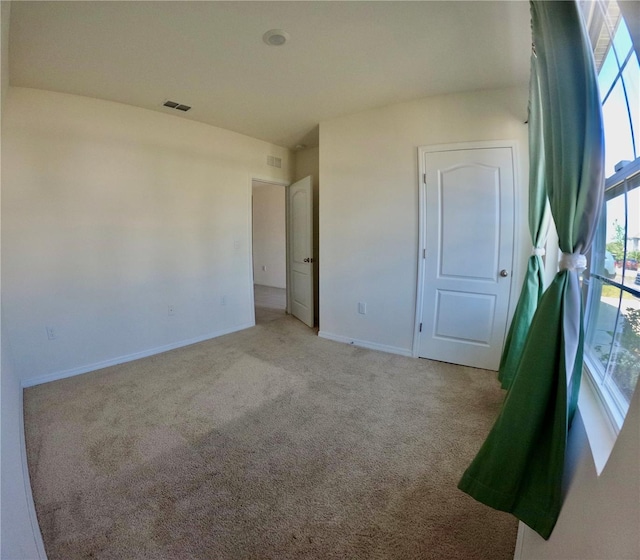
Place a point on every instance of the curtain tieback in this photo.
(538, 252)
(573, 261)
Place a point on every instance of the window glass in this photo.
(622, 41)
(613, 218)
(631, 77)
(614, 225)
(624, 364)
(617, 130)
(602, 318)
(612, 348)
(608, 73)
(631, 240)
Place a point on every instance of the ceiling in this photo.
(342, 57)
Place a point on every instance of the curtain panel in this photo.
(533, 285)
(519, 467)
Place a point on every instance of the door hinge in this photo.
(420, 328)
(424, 178)
(424, 253)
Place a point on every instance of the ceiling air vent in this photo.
(274, 161)
(176, 106)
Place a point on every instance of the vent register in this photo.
(273, 38)
(176, 106)
(272, 161)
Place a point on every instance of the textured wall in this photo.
(369, 205)
(269, 235)
(111, 214)
(19, 539)
(601, 514)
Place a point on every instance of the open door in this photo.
(300, 255)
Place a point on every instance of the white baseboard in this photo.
(31, 506)
(55, 376)
(517, 555)
(366, 344)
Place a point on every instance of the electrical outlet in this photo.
(52, 333)
(362, 308)
(171, 310)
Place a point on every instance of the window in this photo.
(612, 283)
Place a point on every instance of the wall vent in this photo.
(274, 161)
(176, 106)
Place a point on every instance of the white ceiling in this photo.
(342, 57)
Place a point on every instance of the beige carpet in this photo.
(270, 443)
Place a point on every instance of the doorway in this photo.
(269, 241)
(284, 255)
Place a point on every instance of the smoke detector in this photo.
(275, 37)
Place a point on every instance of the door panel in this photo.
(301, 250)
(299, 203)
(464, 191)
(469, 196)
(479, 312)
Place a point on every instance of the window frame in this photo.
(625, 180)
(620, 183)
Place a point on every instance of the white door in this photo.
(468, 226)
(301, 250)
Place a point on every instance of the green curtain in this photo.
(533, 285)
(519, 467)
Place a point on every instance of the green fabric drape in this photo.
(519, 467)
(533, 285)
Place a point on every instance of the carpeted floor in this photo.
(270, 443)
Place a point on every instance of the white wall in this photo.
(112, 213)
(308, 163)
(4, 49)
(369, 205)
(269, 235)
(19, 536)
(600, 518)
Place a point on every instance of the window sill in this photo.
(600, 429)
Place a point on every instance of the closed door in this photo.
(301, 250)
(468, 224)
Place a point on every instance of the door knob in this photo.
(504, 273)
(308, 260)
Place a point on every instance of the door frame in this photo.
(516, 279)
(278, 183)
